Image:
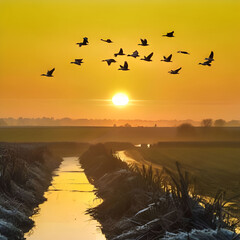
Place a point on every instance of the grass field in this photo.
(134, 135)
(51, 134)
(214, 167)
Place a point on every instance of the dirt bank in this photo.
(25, 174)
(143, 204)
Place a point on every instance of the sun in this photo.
(120, 99)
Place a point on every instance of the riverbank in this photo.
(25, 174)
(143, 204)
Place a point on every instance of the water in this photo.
(137, 159)
(63, 216)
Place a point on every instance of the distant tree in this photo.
(208, 122)
(186, 130)
(3, 122)
(127, 125)
(233, 123)
(155, 125)
(219, 123)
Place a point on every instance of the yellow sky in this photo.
(39, 35)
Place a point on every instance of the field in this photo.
(213, 166)
(134, 135)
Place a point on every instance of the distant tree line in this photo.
(208, 122)
(46, 121)
(3, 122)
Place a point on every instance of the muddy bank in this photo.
(143, 204)
(25, 174)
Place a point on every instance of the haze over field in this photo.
(39, 35)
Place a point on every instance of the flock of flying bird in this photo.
(135, 54)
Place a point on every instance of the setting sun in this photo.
(120, 99)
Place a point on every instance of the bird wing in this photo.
(142, 40)
(150, 56)
(177, 70)
(211, 55)
(135, 52)
(85, 40)
(79, 60)
(164, 58)
(125, 65)
(169, 57)
(51, 71)
(121, 51)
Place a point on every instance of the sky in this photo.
(39, 35)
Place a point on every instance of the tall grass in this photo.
(25, 173)
(147, 200)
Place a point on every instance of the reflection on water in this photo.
(63, 216)
(143, 145)
(125, 158)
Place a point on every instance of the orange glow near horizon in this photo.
(39, 35)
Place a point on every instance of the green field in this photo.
(214, 167)
(51, 134)
(134, 135)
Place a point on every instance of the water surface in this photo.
(63, 216)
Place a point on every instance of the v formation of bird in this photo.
(207, 61)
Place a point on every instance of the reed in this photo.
(148, 202)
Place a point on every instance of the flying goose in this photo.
(148, 58)
(170, 34)
(175, 71)
(183, 52)
(143, 42)
(78, 61)
(119, 53)
(134, 54)
(124, 67)
(206, 63)
(109, 61)
(49, 73)
(167, 59)
(85, 42)
(210, 58)
(107, 41)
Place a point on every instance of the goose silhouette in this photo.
(183, 52)
(49, 73)
(143, 42)
(175, 71)
(107, 40)
(167, 59)
(148, 58)
(120, 53)
(84, 42)
(109, 61)
(134, 54)
(124, 67)
(170, 34)
(78, 61)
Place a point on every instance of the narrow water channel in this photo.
(63, 216)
